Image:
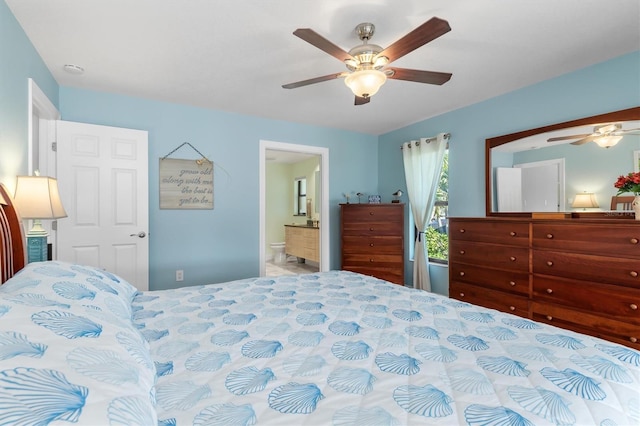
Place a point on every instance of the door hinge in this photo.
(54, 146)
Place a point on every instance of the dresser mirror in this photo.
(544, 169)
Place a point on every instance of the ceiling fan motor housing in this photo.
(365, 54)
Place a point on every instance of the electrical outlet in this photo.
(179, 275)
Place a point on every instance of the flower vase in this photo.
(635, 205)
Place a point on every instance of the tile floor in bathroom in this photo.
(291, 267)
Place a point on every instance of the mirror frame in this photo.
(621, 115)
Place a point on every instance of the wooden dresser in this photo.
(578, 274)
(372, 240)
(302, 241)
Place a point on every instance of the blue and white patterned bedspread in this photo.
(340, 348)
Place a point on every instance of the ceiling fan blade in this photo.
(430, 30)
(312, 37)
(564, 138)
(314, 80)
(584, 140)
(429, 77)
(622, 132)
(361, 101)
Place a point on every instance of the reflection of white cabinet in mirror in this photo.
(509, 189)
(586, 166)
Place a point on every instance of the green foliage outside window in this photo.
(437, 244)
(437, 234)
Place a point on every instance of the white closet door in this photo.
(103, 180)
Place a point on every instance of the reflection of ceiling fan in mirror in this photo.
(605, 135)
(367, 63)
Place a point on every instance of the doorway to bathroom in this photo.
(294, 208)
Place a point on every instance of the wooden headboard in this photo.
(12, 243)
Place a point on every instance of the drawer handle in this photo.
(633, 306)
(549, 317)
(513, 308)
(512, 283)
(370, 213)
(461, 294)
(371, 260)
(462, 231)
(512, 258)
(371, 245)
(549, 263)
(462, 251)
(633, 241)
(462, 273)
(513, 234)
(370, 229)
(549, 290)
(633, 274)
(549, 236)
(633, 339)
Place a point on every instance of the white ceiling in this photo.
(235, 55)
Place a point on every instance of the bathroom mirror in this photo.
(564, 168)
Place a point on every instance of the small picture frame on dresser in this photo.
(374, 199)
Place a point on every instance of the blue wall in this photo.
(604, 87)
(19, 61)
(220, 244)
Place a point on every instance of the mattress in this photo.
(339, 348)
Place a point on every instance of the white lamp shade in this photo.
(37, 197)
(585, 200)
(365, 83)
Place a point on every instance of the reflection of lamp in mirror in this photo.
(37, 198)
(584, 201)
(607, 141)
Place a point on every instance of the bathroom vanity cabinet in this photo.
(302, 241)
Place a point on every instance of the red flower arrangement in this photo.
(628, 183)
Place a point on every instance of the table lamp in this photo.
(37, 198)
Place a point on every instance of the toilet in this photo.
(279, 255)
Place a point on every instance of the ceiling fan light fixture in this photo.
(365, 83)
(607, 141)
(380, 62)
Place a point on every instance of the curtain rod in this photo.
(427, 140)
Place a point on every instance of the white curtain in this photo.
(422, 166)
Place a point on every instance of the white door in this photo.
(540, 186)
(103, 180)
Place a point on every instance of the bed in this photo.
(81, 345)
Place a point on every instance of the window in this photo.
(300, 197)
(437, 234)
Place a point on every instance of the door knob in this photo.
(140, 234)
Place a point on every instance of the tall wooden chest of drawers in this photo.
(579, 274)
(372, 240)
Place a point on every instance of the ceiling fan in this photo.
(605, 135)
(368, 63)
